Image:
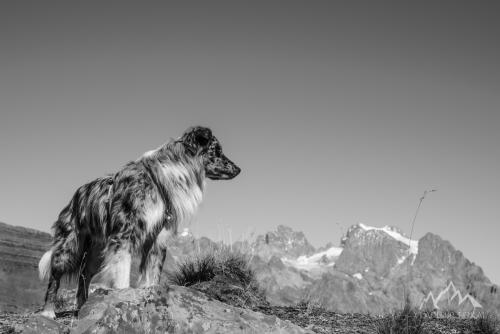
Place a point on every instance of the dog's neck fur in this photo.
(183, 179)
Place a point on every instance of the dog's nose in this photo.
(237, 170)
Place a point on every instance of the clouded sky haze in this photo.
(337, 112)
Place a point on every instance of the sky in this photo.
(337, 112)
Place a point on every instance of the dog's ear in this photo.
(196, 138)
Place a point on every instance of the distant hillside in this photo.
(20, 251)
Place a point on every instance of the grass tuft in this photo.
(405, 321)
(485, 323)
(194, 271)
(219, 262)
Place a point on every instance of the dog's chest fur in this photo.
(185, 194)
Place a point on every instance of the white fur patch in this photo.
(145, 279)
(116, 270)
(185, 198)
(44, 266)
(153, 214)
(48, 314)
(150, 153)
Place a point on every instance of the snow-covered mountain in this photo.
(397, 235)
(316, 261)
(370, 271)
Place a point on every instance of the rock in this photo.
(41, 325)
(173, 310)
(231, 292)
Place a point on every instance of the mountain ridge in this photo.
(369, 271)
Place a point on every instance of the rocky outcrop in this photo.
(161, 310)
(20, 251)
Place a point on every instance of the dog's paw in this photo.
(48, 314)
(147, 283)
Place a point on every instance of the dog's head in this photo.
(200, 141)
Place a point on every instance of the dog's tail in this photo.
(45, 265)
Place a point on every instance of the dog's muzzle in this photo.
(225, 169)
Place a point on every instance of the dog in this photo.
(132, 212)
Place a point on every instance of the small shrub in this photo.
(194, 271)
(486, 323)
(204, 267)
(406, 321)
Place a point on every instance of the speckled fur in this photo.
(113, 217)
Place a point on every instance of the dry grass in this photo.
(486, 323)
(405, 321)
(221, 261)
(412, 321)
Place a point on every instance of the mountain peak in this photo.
(284, 242)
(392, 231)
(284, 229)
(376, 249)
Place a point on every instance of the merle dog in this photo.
(133, 211)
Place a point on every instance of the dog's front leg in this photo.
(117, 264)
(152, 266)
(152, 261)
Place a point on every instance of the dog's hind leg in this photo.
(63, 258)
(152, 262)
(90, 266)
(51, 296)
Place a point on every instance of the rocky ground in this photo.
(326, 322)
(112, 307)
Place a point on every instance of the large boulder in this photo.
(176, 310)
(163, 310)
